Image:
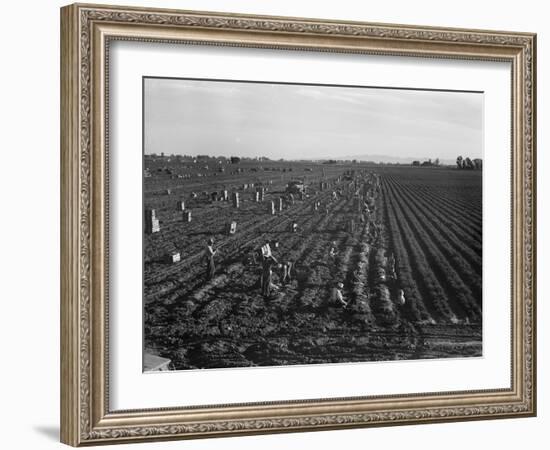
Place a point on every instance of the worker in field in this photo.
(357, 275)
(257, 261)
(273, 245)
(366, 209)
(210, 263)
(338, 296)
(262, 255)
(256, 255)
(401, 297)
(288, 267)
(391, 266)
(266, 279)
(333, 251)
(378, 228)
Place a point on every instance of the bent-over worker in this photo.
(337, 295)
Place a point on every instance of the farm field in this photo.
(411, 268)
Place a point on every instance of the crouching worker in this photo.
(401, 297)
(338, 296)
(332, 252)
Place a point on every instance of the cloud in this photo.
(294, 121)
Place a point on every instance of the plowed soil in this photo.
(428, 220)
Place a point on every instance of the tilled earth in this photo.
(226, 322)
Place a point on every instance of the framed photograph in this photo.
(274, 224)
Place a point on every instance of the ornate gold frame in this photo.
(86, 31)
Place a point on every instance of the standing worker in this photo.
(267, 272)
(287, 272)
(210, 265)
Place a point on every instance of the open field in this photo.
(423, 237)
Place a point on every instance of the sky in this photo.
(290, 121)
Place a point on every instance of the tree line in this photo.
(469, 164)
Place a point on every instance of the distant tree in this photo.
(460, 162)
(468, 164)
(436, 162)
(478, 163)
(416, 163)
(235, 160)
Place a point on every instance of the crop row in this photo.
(191, 240)
(463, 259)
(189, 275)
(469, 247)
(292, 245)
(467, 217)
(416, 309)
(423, 274)
(459, 293)
(444, 284)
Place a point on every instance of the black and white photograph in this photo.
(291, 224)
